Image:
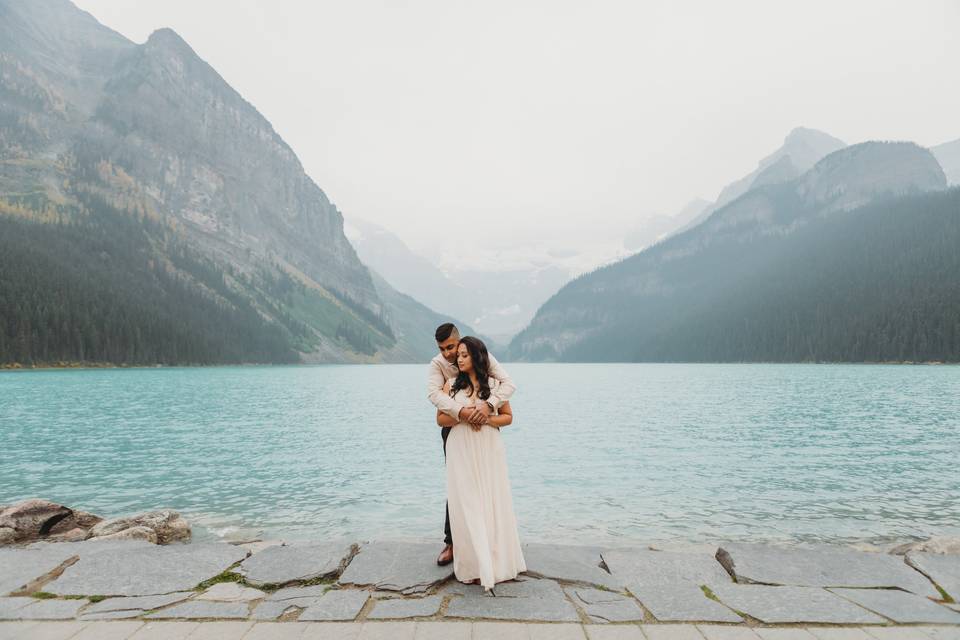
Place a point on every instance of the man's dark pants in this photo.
(447, 538)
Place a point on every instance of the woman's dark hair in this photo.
(481, 366)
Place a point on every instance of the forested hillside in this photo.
(791, 272)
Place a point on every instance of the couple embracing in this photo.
(471, 392)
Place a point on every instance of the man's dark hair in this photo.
(444, 331)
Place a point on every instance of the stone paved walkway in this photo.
(392, 589)
(433, 630)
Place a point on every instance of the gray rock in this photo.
(527, 589)
(144, 570)
(934, 544)
(645, 566)
(942, 569)
(792, 604)
(822, 567)
(167, 526)
(126, 614)
(525, 609)
(681, 602)
(336, 605)
(9, 606)
(47, 610)
(409, 567)
(405, 608)
(132, 533)
(293, 562)
(271, 610)
(297, 593)
(568, 563)
(140, 603)
(204, 609)
(900, 606)
(606, 606)
(7, 535)
(231, 592)
(32, 518)
(21, 567)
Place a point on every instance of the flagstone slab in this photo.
(524, 609)
(231, 592)
(900, 606)
(141, 603)
(336, 605)
(568, 563)
(21, 566)
(405, 608)
(821, 567)
(46, 609)
(9, 605)
(941, 633)
(297, 593)
(204, 609)
(146, 570)
(271, 610)
(644, 566)
(408, 567)
(295, 562)
(112, 615)
(942, 569)
(607, 606)
(681, 602)
(530, 588)
(792, 604)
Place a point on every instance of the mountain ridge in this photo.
(643, 295)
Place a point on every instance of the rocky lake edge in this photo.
(68, 565)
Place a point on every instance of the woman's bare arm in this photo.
(502, 419)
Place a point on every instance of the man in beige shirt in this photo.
(443, 366)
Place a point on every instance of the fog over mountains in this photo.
(848, 261)
(150, 214)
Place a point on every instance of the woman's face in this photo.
(464, 362)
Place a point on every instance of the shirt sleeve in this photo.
(435, 394)
(505, 389)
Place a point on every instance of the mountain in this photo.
(948, 155)
(497, 302)
(409, 272)
(854, 260)
(657, 227)
(145, 156)
(801, 149)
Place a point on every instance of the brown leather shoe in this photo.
(446, 556)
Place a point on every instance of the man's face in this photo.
(448, 348)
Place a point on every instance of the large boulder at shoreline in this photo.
(935, 544)
(159, 527)
(35, 519)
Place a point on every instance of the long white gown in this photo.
(486, 543)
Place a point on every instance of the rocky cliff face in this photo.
(152, 131)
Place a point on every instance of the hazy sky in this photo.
(561, 124)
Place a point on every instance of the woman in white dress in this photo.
(486, 544)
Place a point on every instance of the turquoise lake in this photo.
(598, 453)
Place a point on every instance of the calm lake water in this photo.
(598, 453)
